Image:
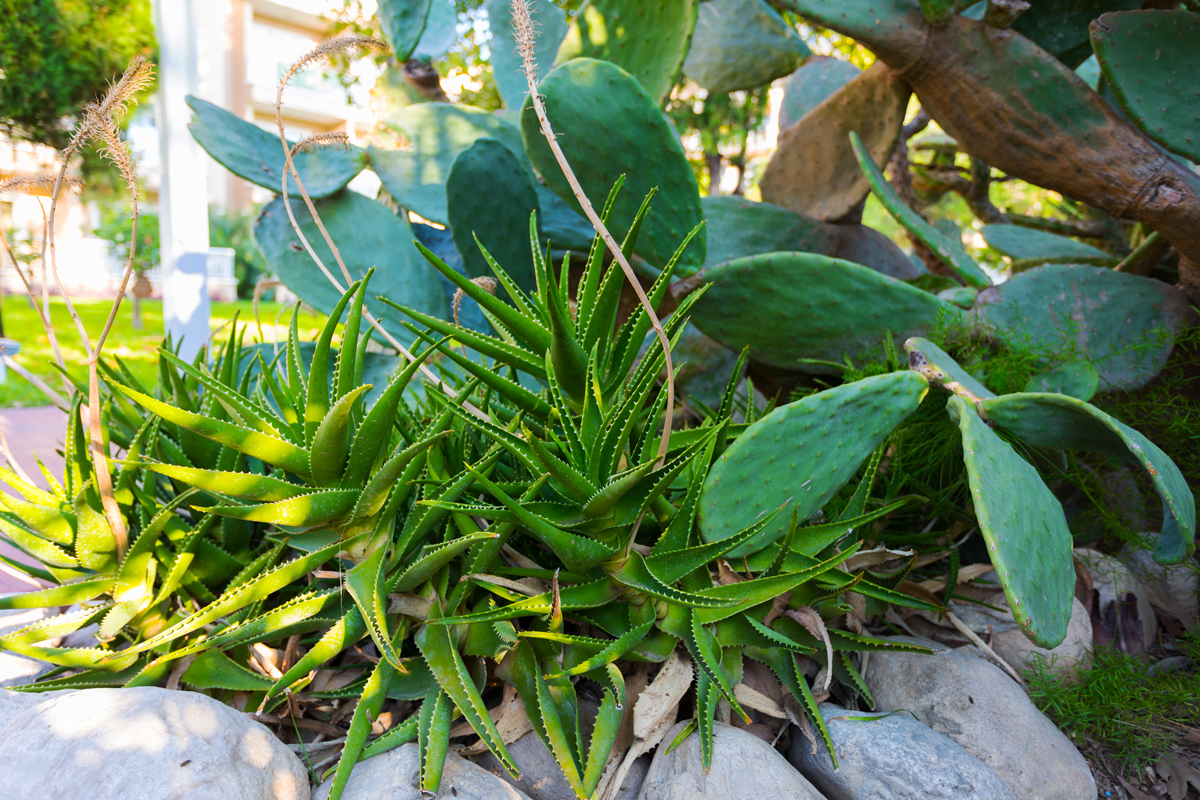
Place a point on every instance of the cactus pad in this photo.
(869, 247)
(256, 155)
(814, 170)
(367, 235)
(941, 370)
(1151, 59)
(1022, 243)
(650, 40)
(738, 227)
(490, 196)
(433, 135)
(741, 44)
(949, 250)
(403, 22)
(789, 307)
(1060, 27)
(506, 63)
(1123, 324)
(802, 454)
(1065, 423)
(892, 29)
(807, 87)
(1077, 379)
(608, 126)
(441, 30)
(1024, 527)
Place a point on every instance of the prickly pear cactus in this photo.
(741, 44)
(1151, 61)
(256, 155)
(948, 250)
(807, 87)
(648, 40)
(814, 171)
(506, 62)
(434, 133)
(941, 370)
(1060, 27)
(403, 22)
(1065, 423)
(490, 198)
(1077, 379)
(1027, 243)
(1123, 324)
(608, 126)
(1024, 527)
(790, 308)
(738, 227)
(367, 235)
(801, 454)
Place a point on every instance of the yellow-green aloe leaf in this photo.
(305, 511)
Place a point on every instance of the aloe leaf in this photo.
(212, 669)
(264, 447)
(588, 595)
(394, 737)
(242, 412)
(373, 496)
(307, 510)
(331, 441)
(670, 566)
(616, 649)
(372, 435)
(64, 595)
(424, 568)
(704, 649)
(244, 485)
(635, 574)
(447, 666)
(317, 393)
(258, 589)
(433, 738)
(495, 349)
(576, 552)
(367, 710)
(533, 334)
(365, 583)
(345, 632)
(564, 473)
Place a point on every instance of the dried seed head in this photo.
(34, 183)
(483, 282)
(338, 139)
(525, 27)
(348, 43)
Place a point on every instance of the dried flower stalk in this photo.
(526, 36)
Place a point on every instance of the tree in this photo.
(56, 55)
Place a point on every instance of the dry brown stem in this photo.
(526, 37)
(322, 51)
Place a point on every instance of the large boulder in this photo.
(1073, 655)
(743, 766)
(144, 744)
(14, 704)
(975, 704)
(891, 757)
(393, 776)
(1172, 590)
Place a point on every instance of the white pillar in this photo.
(183, 195)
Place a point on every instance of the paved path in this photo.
(30, 430)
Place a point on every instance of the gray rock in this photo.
(1073, 655)
(893, 757)
(393, 776)
(13, 704)
(143, 744)
(743, 766)
(541, 776)
(1172, 590)
(1112, 579)
(975, 704)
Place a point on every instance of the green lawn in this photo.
(135, 348)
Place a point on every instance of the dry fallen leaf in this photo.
(757, 701)
(1178, 774)
(812, 621)
(653, 716)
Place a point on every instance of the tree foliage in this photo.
(56, 55)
